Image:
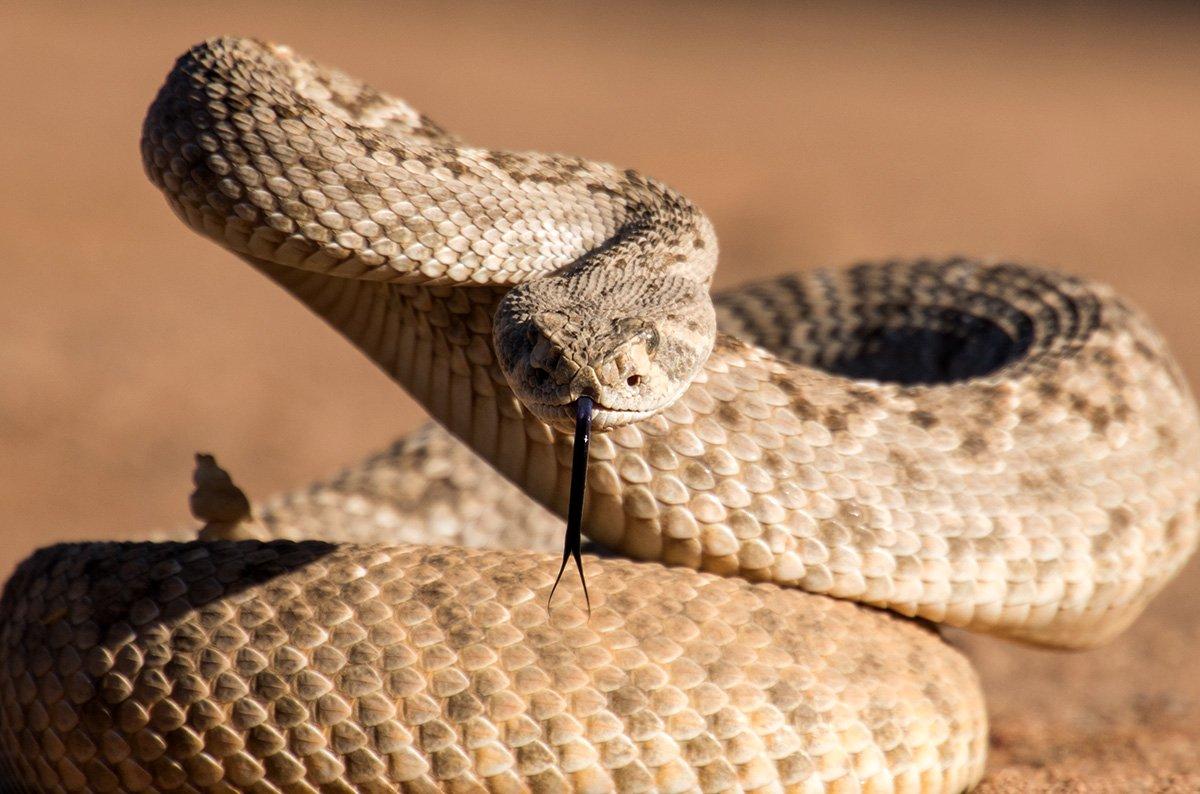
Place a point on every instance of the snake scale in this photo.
(981, 445)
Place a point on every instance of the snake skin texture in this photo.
(983, 445)
(321, 667)
(427, 488)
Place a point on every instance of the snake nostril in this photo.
(634, 380)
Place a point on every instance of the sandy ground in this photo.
(1063, 137)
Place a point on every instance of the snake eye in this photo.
(634, 380)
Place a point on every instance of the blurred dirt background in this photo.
(1064, 136)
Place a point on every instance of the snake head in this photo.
(633, 345)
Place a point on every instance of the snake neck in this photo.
(436, 342)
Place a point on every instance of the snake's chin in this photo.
(562, 417)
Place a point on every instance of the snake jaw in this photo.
(562, 416)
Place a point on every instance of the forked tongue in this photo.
(579, 462)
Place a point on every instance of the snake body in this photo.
(988, 446)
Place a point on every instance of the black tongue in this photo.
(579, 462)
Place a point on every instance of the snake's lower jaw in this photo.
(608, 419)
(562, 417)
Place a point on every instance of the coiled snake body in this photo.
(982, 445)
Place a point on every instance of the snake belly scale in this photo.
(982, 445)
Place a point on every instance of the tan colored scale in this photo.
(324, 667)
(978, 444)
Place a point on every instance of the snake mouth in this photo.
(562, 416)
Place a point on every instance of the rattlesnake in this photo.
(983, 445)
